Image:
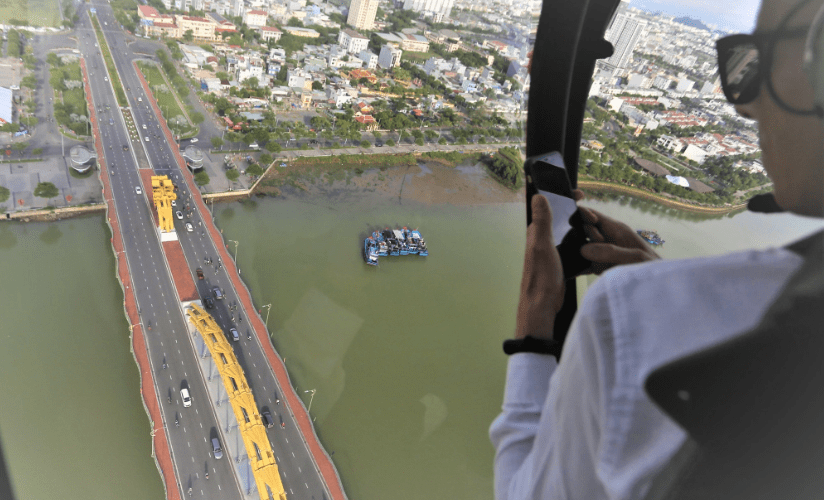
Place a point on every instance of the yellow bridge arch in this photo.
(252, 429)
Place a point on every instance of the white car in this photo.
(189, 227)
(194, 139)
(179, 214)
(137, 190)
(139, 99)
(106, 78)
(144, 126)
(147, 139)
(187, 399)
(174, 203)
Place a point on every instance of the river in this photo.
(404, 359)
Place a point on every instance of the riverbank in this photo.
(428, 181)
(645, 195)
(54, 214)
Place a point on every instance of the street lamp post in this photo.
(311, 399)
(237, 243)
(268, 310)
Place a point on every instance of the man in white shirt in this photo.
(585, 428)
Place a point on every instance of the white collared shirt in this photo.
(584, 428)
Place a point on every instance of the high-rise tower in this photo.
(623, 34)
(362, 14)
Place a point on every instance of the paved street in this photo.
(168, 338)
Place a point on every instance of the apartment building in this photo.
(270, 33)
(255, 18)
(362, 14)
(389, 57)
(202, 28)
(351, 41)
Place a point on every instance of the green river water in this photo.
(405, 358)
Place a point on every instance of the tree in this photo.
(252, 82)
(188, 35)
(217, 142)
(442, 141)
(390, 142)
(273, 147)
(254, 170)
(201, 178)
(265, 159)
(46, 190)
(419, 141)
(37, 151)
(232, 174)
(365, 144)
(4, 194)
(197, 117)
(376, 134)
(29, 81)
(316, 85)
(52, 59)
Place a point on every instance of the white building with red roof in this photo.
(255, 18)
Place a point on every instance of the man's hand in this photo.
(542, 284)
(612, 243)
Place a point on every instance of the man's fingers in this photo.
(541, 215)
(612, 254)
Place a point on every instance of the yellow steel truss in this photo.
(163, 192)
(252, 429)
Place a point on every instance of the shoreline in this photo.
(645, 195)
(430, 181)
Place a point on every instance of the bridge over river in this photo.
(204, 389)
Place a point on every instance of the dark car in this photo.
(378, 144)
(268, 421)
(210, 304)
(218, 293)
(125, 147)
(199, 273)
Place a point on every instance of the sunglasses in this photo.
(744, 62)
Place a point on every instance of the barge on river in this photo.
(393, 242)
(651, 237)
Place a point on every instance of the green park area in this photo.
(69, 99)
(169, 107)
(30, 12)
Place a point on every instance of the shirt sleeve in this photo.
(547, 438)
(513, 432)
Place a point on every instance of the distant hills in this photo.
(691, 21)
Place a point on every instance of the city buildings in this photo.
(389, 57)
(623, 33)
(436, 9)
(362, 14)
(255, 18)
(351, 41)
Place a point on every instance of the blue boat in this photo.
(415, 239)
(401, 239)
(650, 237)
(370, 251)
(393, 242)
(383, 248)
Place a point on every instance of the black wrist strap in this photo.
(532, 344)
